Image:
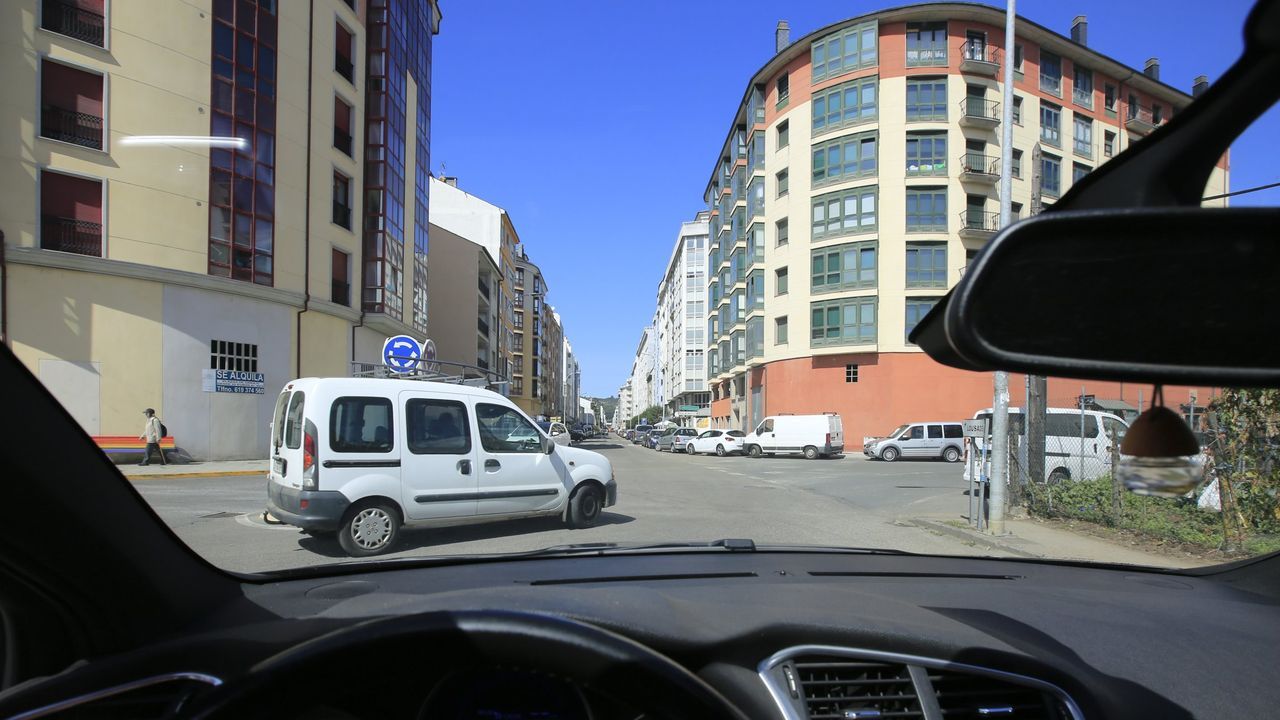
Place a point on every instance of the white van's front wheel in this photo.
(585, 506)
(369, 529)
(889, 454)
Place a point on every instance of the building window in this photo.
(1050, 73)
(927, 99)
(517, 386)
(927, 209)
(1108, 143)
(342, 126)
(70, 214)
(783, 181)
(228, 355)
(1083, 135)
(341, 200)
(83, 20)
(850, 321)
(1015, 167)
(341, 278)
(917, 308)
(851, 373)
(343, 53)
(780, 281)
(1078, 171)
(1157, 114)
(71, 108)
(1110, 96)
(784, 89)
(926, 154)
(1015, 210)
(782, 231)
(1017, 109)
(844, 159)
(1017, 56)
(243, 104)
(845, 104)
(846, 50)
(844, 213)
(1082, 86)
(1051, 123)
(926, 44)
(843, 267)
(780, 330)
(927, 264)
(784, 134)
(1050, 174)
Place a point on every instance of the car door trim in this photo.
(360, 463)
(486, 495)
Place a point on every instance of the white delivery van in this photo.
(809, 435)
(362, 457)
(1077, 446)
(931, 440)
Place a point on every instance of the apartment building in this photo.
(205, 200)
(643, 380)
(551, 379)
(528, 370)
(625, 409)
(681, 326)
(858, 177)
(464, 305)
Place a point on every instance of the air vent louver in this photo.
(962, 696)
(843, 688)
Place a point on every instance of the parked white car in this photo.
(363, 457)
(932, 440)
(810, 435)
(1075, 447)
(720, 442)
(557, 431)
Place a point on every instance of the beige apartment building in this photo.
(860, 175)
(464, 296)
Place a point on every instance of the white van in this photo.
(810, 435)
(932, 440)
(1067, 455)
(363, 456)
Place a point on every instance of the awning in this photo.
(1114, 406)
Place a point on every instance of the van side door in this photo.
(438, 471)
(360, 456)
(515, 475)
(912, 441)
(933, 441)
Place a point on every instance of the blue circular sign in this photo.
(401, 354)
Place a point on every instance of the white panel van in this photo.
(1076, 447)
(809, 435)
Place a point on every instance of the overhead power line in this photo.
(1246, 191)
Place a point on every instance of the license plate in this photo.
(277, 465)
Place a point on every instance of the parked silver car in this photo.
(674, 439)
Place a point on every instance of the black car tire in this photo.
(951, 455)
(754, 451)
(810, 452)
(720, 450)
(889, 454)
(362, 520)
(688, 449)
(585, 506)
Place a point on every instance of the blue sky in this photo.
(596, 124)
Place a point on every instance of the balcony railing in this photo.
(71, 127)
(980, 112)
(979, 58)
(484, 288)
(976, 166)
(67, 19)
(70, 235)
(342, 141)
(926, 57)
(979, 221)
(1139, 119)
(342, 215)
(482, 326)
(344, 67)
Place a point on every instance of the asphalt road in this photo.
(662, 497)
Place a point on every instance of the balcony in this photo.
(979, 58)
(482, 327)
(70, 235)
(70, 126)
(976, 167)
(976, 112)
(344, 67)
(67, 19)
(1139, 120)
(340, 292)
(978, 224)
(484, 288)
(342, 215)
(342, 141)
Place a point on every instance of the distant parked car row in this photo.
(812, 436)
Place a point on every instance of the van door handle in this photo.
(464, 467)
(492, 465)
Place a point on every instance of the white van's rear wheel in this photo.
(951, 455)
(889, 454)
(810, 452)
(369, 529)
(585, 506)
(753, 451)
(1059, 476)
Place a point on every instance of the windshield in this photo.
(367, 279)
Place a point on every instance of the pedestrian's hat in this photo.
(149, 411)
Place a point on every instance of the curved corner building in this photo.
(859, 177)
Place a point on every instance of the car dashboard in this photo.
(778, 634)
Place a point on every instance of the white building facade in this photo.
(680, 324)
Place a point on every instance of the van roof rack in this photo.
(436, 371)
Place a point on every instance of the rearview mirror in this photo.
(548, 446)
(1173, 295)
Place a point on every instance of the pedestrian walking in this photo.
(152, 432)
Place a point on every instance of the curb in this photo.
(979, 539)
(210, 474)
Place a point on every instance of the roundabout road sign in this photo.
(401, 354)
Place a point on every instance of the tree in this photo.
(1245, 424)
(651, 415)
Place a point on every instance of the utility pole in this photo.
(1000, 408)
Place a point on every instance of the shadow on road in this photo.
(416, 538)
(589, 445)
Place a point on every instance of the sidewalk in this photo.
(1034, 539)
(221, 468)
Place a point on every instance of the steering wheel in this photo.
(414, 647)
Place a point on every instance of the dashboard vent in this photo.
(962, 695)
(157, 699)
(844, 688)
